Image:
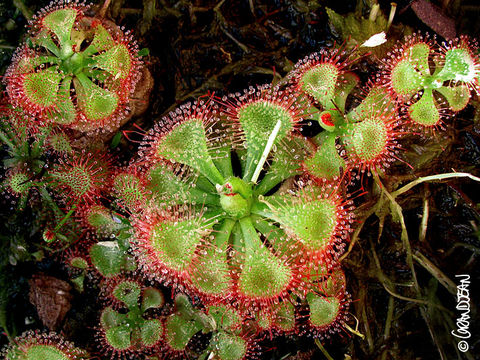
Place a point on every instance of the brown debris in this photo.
(139, 100)
(433, 16)
(302, 355)
(51, 297)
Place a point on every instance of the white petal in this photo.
(375, 40)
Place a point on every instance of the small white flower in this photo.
(375, 40)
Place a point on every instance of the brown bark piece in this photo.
(433, 16)
(139, 100)
(51, 297)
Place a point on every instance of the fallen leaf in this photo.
(434, 18)
(51, 297)
(375, 40)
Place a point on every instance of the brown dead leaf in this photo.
(433, 16)
(51, 297)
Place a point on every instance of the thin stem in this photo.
(19, 4)
(266, 151)
(354, 331)
(37, 145)
(261, 207)
(404, 235)
(209, 170)
(374, 12)
(354, 238)
(46, 196)
(266, 228)
(104, 8)
(387, 283)
(456, 245)
(224, 164)
(66, 217)
(268, 182)
(436, 272)
(424, 223)
(363, 306)
(432, 178)
(322, 349)
(47, 42)
(23, 201)
(388, 324)
(393, 9)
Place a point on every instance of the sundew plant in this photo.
(233, 223)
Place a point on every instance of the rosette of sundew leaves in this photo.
(127, 327)
(40, 345)
(214, 220)
(81, 176)
(430, 80)
(24, 148)
(28, 168)
(109, 255)
(77, 179)
(74, 70)
(229, 340)
(363, 138)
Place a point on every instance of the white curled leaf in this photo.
(375, 40)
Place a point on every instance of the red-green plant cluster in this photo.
(431, 80)
(227, 202)
(126, 327)
(37, 345)
(74, 70)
